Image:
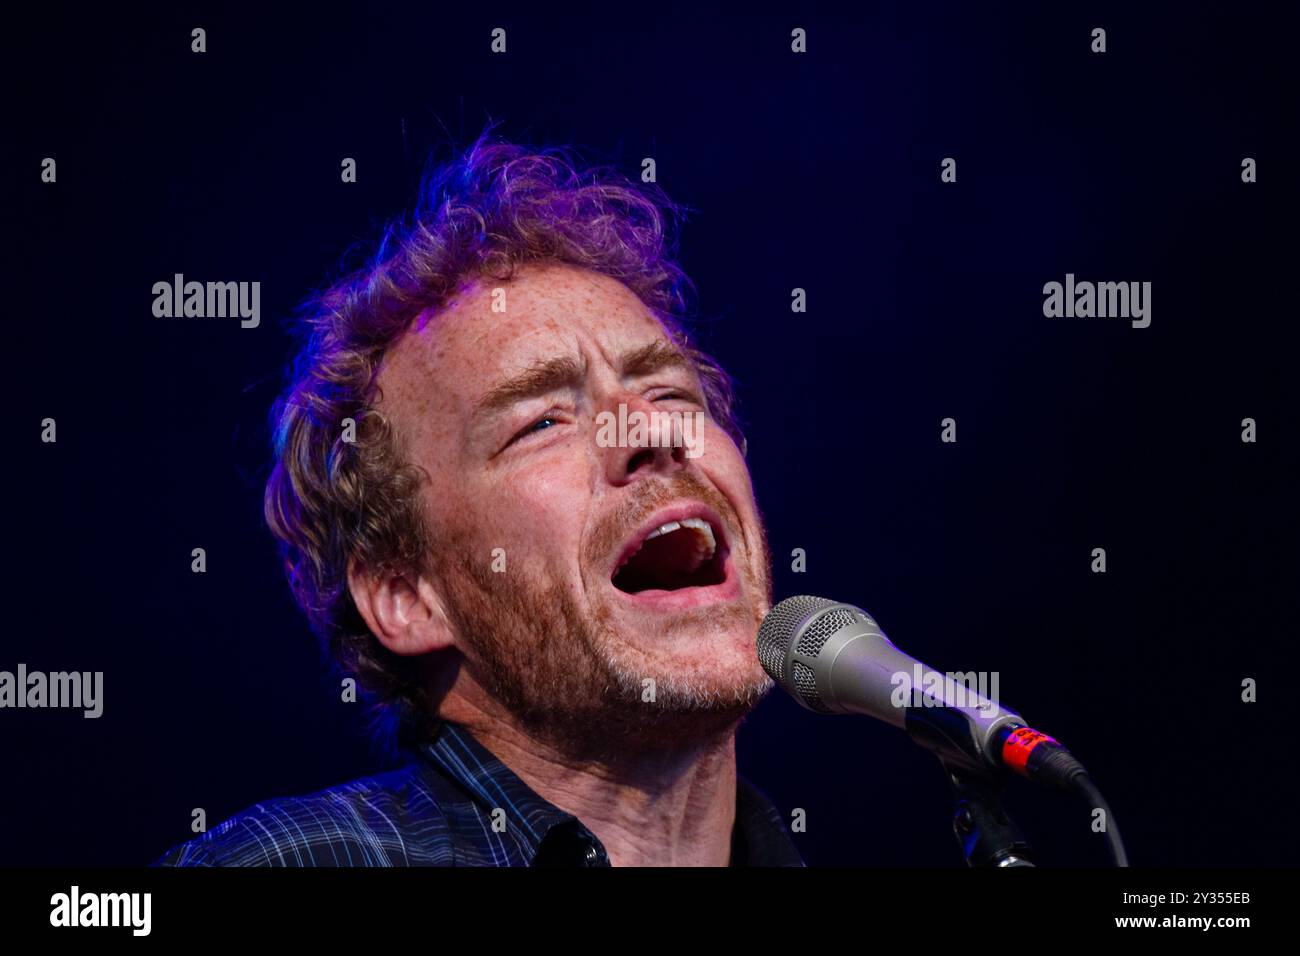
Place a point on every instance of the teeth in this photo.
(706, 545)
(709, 543)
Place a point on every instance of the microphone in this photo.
(834, 659)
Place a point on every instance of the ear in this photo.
(406, 613)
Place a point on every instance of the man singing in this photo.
(557, 626)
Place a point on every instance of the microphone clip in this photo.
(987, 836)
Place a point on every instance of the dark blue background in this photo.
(819, 171)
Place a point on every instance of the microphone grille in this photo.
(779, 628)
(814, 636)
(805, 686)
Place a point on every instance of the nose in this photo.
(639, 440)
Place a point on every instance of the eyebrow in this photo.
(550, 375)
(538, 379)
(653, 357)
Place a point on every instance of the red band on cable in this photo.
(1020, 744)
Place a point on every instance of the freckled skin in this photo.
(546, 661)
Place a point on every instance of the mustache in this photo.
(649, 496)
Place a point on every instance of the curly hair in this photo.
(333, 502)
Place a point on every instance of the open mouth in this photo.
(684, 553)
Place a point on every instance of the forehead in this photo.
(491, 329)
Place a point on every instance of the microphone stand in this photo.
(988, 837)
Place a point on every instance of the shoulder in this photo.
(389, 819)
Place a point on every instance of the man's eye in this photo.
(546, 421)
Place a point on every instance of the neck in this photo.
(648, 807)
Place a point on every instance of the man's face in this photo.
(567, 614)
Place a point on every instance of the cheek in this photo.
(726, 468)
(543, 509)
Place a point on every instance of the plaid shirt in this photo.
(439, 810)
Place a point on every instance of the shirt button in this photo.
(591, 856)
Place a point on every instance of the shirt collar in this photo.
(492, 784)
(552, 836)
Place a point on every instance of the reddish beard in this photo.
(559, 668)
